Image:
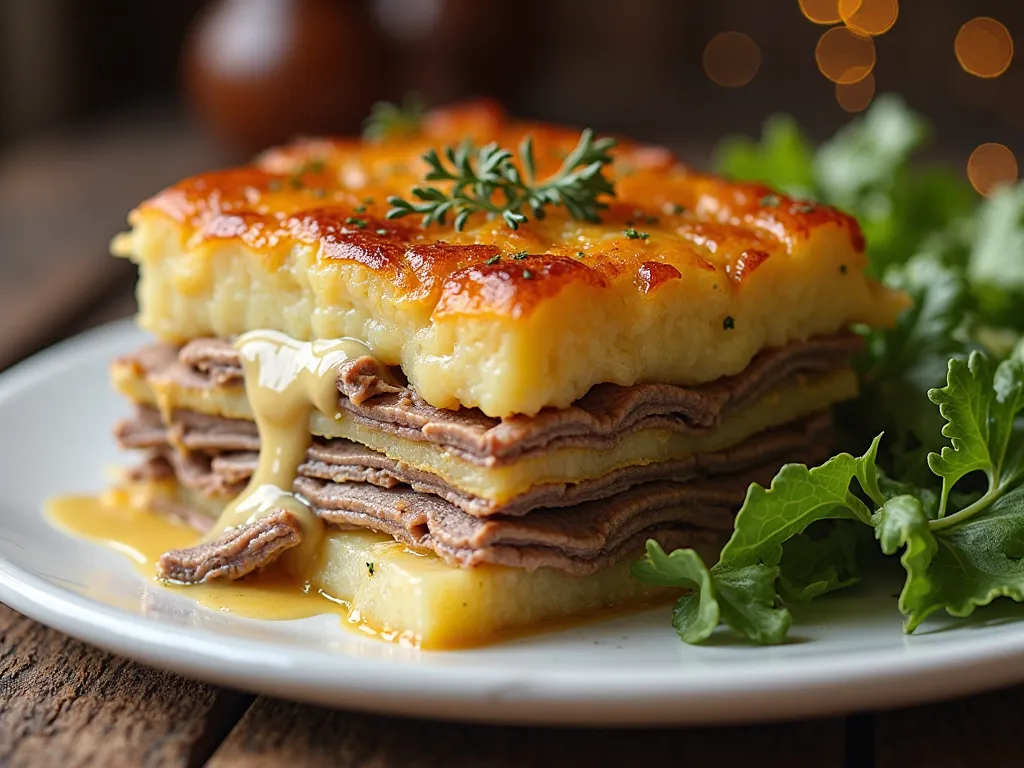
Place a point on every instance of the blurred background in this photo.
(102, 102)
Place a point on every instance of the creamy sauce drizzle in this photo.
(142, 536)
(285, 380)
(272, 594)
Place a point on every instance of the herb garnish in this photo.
(770, 201)
(369, 568)
(729, 323)
(520, 255)
(493, 260)
(358, 223)
(632, 234)
(394, 121)
(488, 180)
(527, 274)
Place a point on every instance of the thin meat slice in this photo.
(217, 456)
(237, 553)
(372, 395)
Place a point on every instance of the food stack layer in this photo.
(547, 396)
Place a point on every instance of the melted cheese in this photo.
(725, 269)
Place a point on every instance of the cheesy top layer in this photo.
(684, 280)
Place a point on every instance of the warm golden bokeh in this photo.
(732, 59)
(990, 166)
(984, 47)
(845, 56)
(855, 97)
(822, 11)
(869, 17)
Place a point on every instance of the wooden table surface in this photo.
(63, 703)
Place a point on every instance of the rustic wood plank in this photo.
(65, 703)
(979, 730)
(275, 732)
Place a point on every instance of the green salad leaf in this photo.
(784, 158)
(820, 560)
(945, 490)
(743, 583)
(902, 364)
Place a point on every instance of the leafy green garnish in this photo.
(864, 170)
(783, 159)
(394, 121)
(488, 180)
(743, 582)
(959, 550)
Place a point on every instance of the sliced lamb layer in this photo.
(373, 396)
(577, 539)
(220, 455)
(237, 553)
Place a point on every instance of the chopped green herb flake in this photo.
(369, 568)
(520, 255)
(316, 165)
(675, 209)
(527, 274)
(360, 209)
(394, 121)
(353, 221)
(493, 260)
(580, 254)
(653, 219)
(632, 234)
(728, 324)
(770, 201)
(805, 208)
(381, 231)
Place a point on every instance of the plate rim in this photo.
(681, 695)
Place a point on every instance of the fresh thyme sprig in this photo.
(394, 121)
(489, 180)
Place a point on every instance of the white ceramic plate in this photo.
(846, 653)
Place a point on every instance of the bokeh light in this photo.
(991, 166)
(855, 97)
(844, 56)
(732, 59)
(822, 11)
(869, 17)
(984, 47)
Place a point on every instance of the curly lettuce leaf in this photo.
(902, 523)
(741, 589)
(958, 569)
(980, 404)
(902, 364)
(797, 497)
(815, 563)
(864, 156)
(744, 598)
(783, 158)
(696, 615)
